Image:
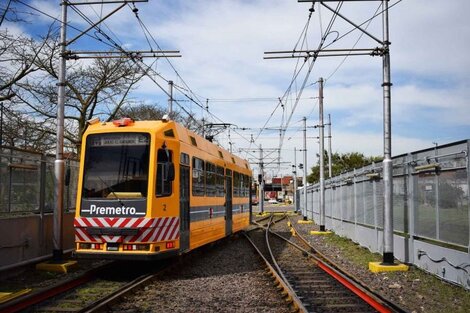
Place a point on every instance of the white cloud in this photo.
(223, 44)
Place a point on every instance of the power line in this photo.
(58, 20)
(5, 12)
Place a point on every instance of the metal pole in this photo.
(329, 147)
(322, 156)
(59, 162)
(261, 183)
(229, 140)
(170, 99)
(388, 258)
(305, 169)
(295, 180)
(1, 124)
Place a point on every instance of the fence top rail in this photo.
(28, 151)
(27, 155)
(367, 171)
(447, 145)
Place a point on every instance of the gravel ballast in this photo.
(224, 277)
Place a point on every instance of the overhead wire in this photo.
(314, 58)
(61, 22)
(5, 12)
(112, 44)
(166, 58)
(194, 98)
(354, 45)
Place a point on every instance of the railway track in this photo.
(311, 282)
(91, 292)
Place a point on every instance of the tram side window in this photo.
(198, 177)
(246, 185)
(220, 183)
(165, 172)
(211, 190)
(236, 184)
(241, 186)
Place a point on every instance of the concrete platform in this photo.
(378, 267)
(7, 296)
(58, 267)
(318, 232)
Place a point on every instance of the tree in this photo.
(18, 55)
(142, 111)
(341, 163)
(20, 131)
(99, 88)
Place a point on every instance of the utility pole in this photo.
(294, 171)
(329, 147)
(1, 124)
(261, 180)
(57, 252)
(384, 52)
(170, 98)
(305, 169)
(229, 140)
(322, 156)
(388, 257)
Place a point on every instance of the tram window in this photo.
(236, 184)
(241, 186)
(184, 159)
(165, 172)
(211, 190)
(198, 177)
(246, 185)
(220, 183)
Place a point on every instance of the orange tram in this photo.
(154, 189)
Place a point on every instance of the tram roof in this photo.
(180, 133)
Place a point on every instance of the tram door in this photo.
(184, 208)
(228, 205)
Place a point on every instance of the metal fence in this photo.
(27, 182)
(430, 209)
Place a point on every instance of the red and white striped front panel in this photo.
(150, 229)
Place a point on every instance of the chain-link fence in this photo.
(430, 208)
(27, 182)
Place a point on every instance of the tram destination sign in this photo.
(120, 139)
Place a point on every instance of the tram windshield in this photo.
(116, 166)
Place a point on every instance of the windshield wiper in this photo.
(112, 191)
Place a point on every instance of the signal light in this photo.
(90, 246)
(170, 245)
(125, 121)
(127, 247)
(144, 247)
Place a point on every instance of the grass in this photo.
(356, 254)
(433, 292)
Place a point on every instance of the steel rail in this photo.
(28, 301)
(283, 216)
(353, 284)
(298, 305)
(103, 303)
(344, 277)
(41, 295)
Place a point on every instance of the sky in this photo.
(222, 44)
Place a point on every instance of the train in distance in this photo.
(154, 189)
